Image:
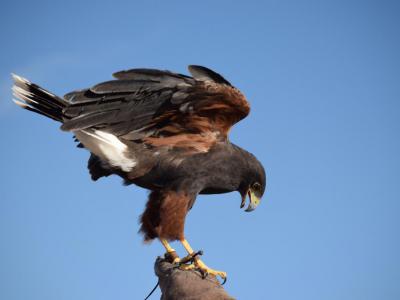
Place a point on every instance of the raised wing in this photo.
(160, 108)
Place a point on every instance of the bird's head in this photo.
(253, 184)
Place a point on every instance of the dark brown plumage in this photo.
(163, 131)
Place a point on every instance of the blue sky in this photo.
(323, 81)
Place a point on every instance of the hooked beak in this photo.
(253, 201)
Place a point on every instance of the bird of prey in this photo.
(165, 132)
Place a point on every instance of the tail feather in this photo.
(34, 98)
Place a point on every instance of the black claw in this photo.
(224, 281)
(198, 253)
(204, 275)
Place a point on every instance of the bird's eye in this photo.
(256, 186)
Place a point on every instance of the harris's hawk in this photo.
(165, 132)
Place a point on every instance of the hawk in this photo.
(165, 132)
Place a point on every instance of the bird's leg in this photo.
(171, 253)
(198, 264)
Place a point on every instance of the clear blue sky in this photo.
(323, 79)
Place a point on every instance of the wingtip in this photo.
(19, 103)
(19, 79)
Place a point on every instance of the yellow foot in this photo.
(198, 264)
(204, 270)
(171, 253)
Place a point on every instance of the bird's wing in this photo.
(160, 108)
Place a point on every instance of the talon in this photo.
(224, 281)
(206, 271)
(198, 253)
(198, 264)
(204, 275)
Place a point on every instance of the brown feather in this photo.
(165, 215)
(212, 110)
